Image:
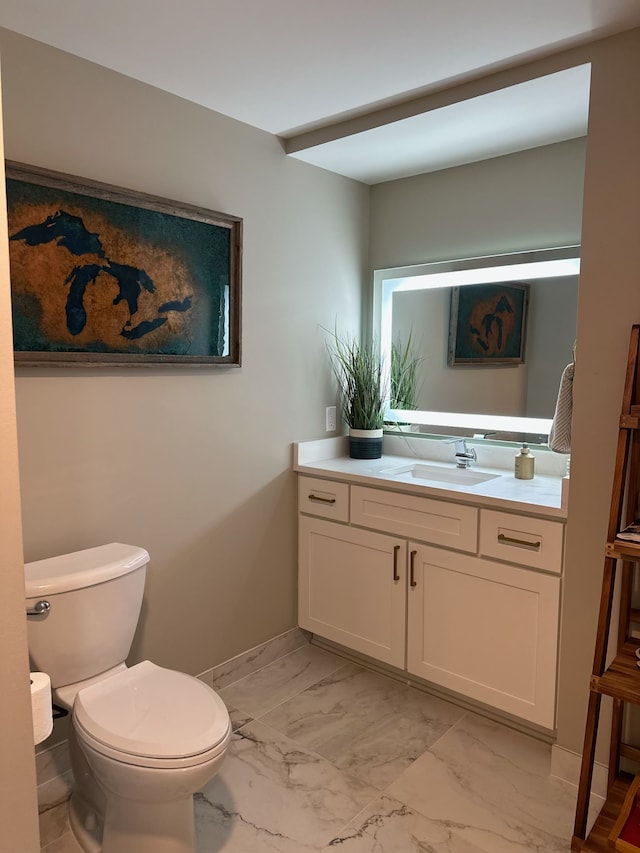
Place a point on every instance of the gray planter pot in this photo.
(365, 443)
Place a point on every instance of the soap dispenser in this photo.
(525, 462)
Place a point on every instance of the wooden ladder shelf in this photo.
(621, 678)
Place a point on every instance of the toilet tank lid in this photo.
(82, 568)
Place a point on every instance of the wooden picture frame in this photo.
(487, 324)
(105, 277)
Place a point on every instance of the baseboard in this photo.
(253, 659)
(566, 765)
(531, 729)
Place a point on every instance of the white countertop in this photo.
(328, 458)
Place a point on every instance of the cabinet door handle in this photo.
(396, 549)
(510, 540)
(412, 560)
(319, 499)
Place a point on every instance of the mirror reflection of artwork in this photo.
(487, 324)
(524, 390)
(416, 301)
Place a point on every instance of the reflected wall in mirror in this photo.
(416, 301)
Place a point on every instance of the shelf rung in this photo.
(621, 679)
(620, 549)
(631, 421)
(630, 752)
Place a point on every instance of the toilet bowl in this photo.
(143, 739)
(150, 737)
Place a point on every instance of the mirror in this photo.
(485, 397)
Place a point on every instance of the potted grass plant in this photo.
(403, 390)
(357, 368)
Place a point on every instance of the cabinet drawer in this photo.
(438, 522)
(323, 497)
(533, 542)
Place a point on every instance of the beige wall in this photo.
(531, 200)
(194, 465)
(609, 303)
(18, 807)
(528, 200)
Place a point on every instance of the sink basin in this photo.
(440, 474)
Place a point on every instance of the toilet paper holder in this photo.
(40, 608)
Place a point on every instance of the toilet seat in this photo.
(152, 717)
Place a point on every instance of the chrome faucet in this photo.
(464, 455)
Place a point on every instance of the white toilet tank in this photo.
(95, 597)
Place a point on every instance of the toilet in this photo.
(143, 738)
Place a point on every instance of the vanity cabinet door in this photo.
(485, 630)
(352, 588)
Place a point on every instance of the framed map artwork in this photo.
(101, 276)
(487, 324)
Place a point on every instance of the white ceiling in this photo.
(539, 112)
(291, 65)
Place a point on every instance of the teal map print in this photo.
(93, 275)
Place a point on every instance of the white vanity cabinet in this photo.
(471, 594)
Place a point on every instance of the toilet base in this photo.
(145, 828)
(149, 827)
(85, 825)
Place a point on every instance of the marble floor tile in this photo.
(342, 757)
(238, 719)
(492, 786)
(388, 826)
(273, 795)
(65, 844)
(263, 690)
(368, 725)
(53, 823)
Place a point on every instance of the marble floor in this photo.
(329, 755)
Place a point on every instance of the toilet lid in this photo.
(150, 711)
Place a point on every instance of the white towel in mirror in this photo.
(560, 433)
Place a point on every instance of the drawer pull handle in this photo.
(396, 549)
(319, 499)
(412, 579)
(510, 540)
